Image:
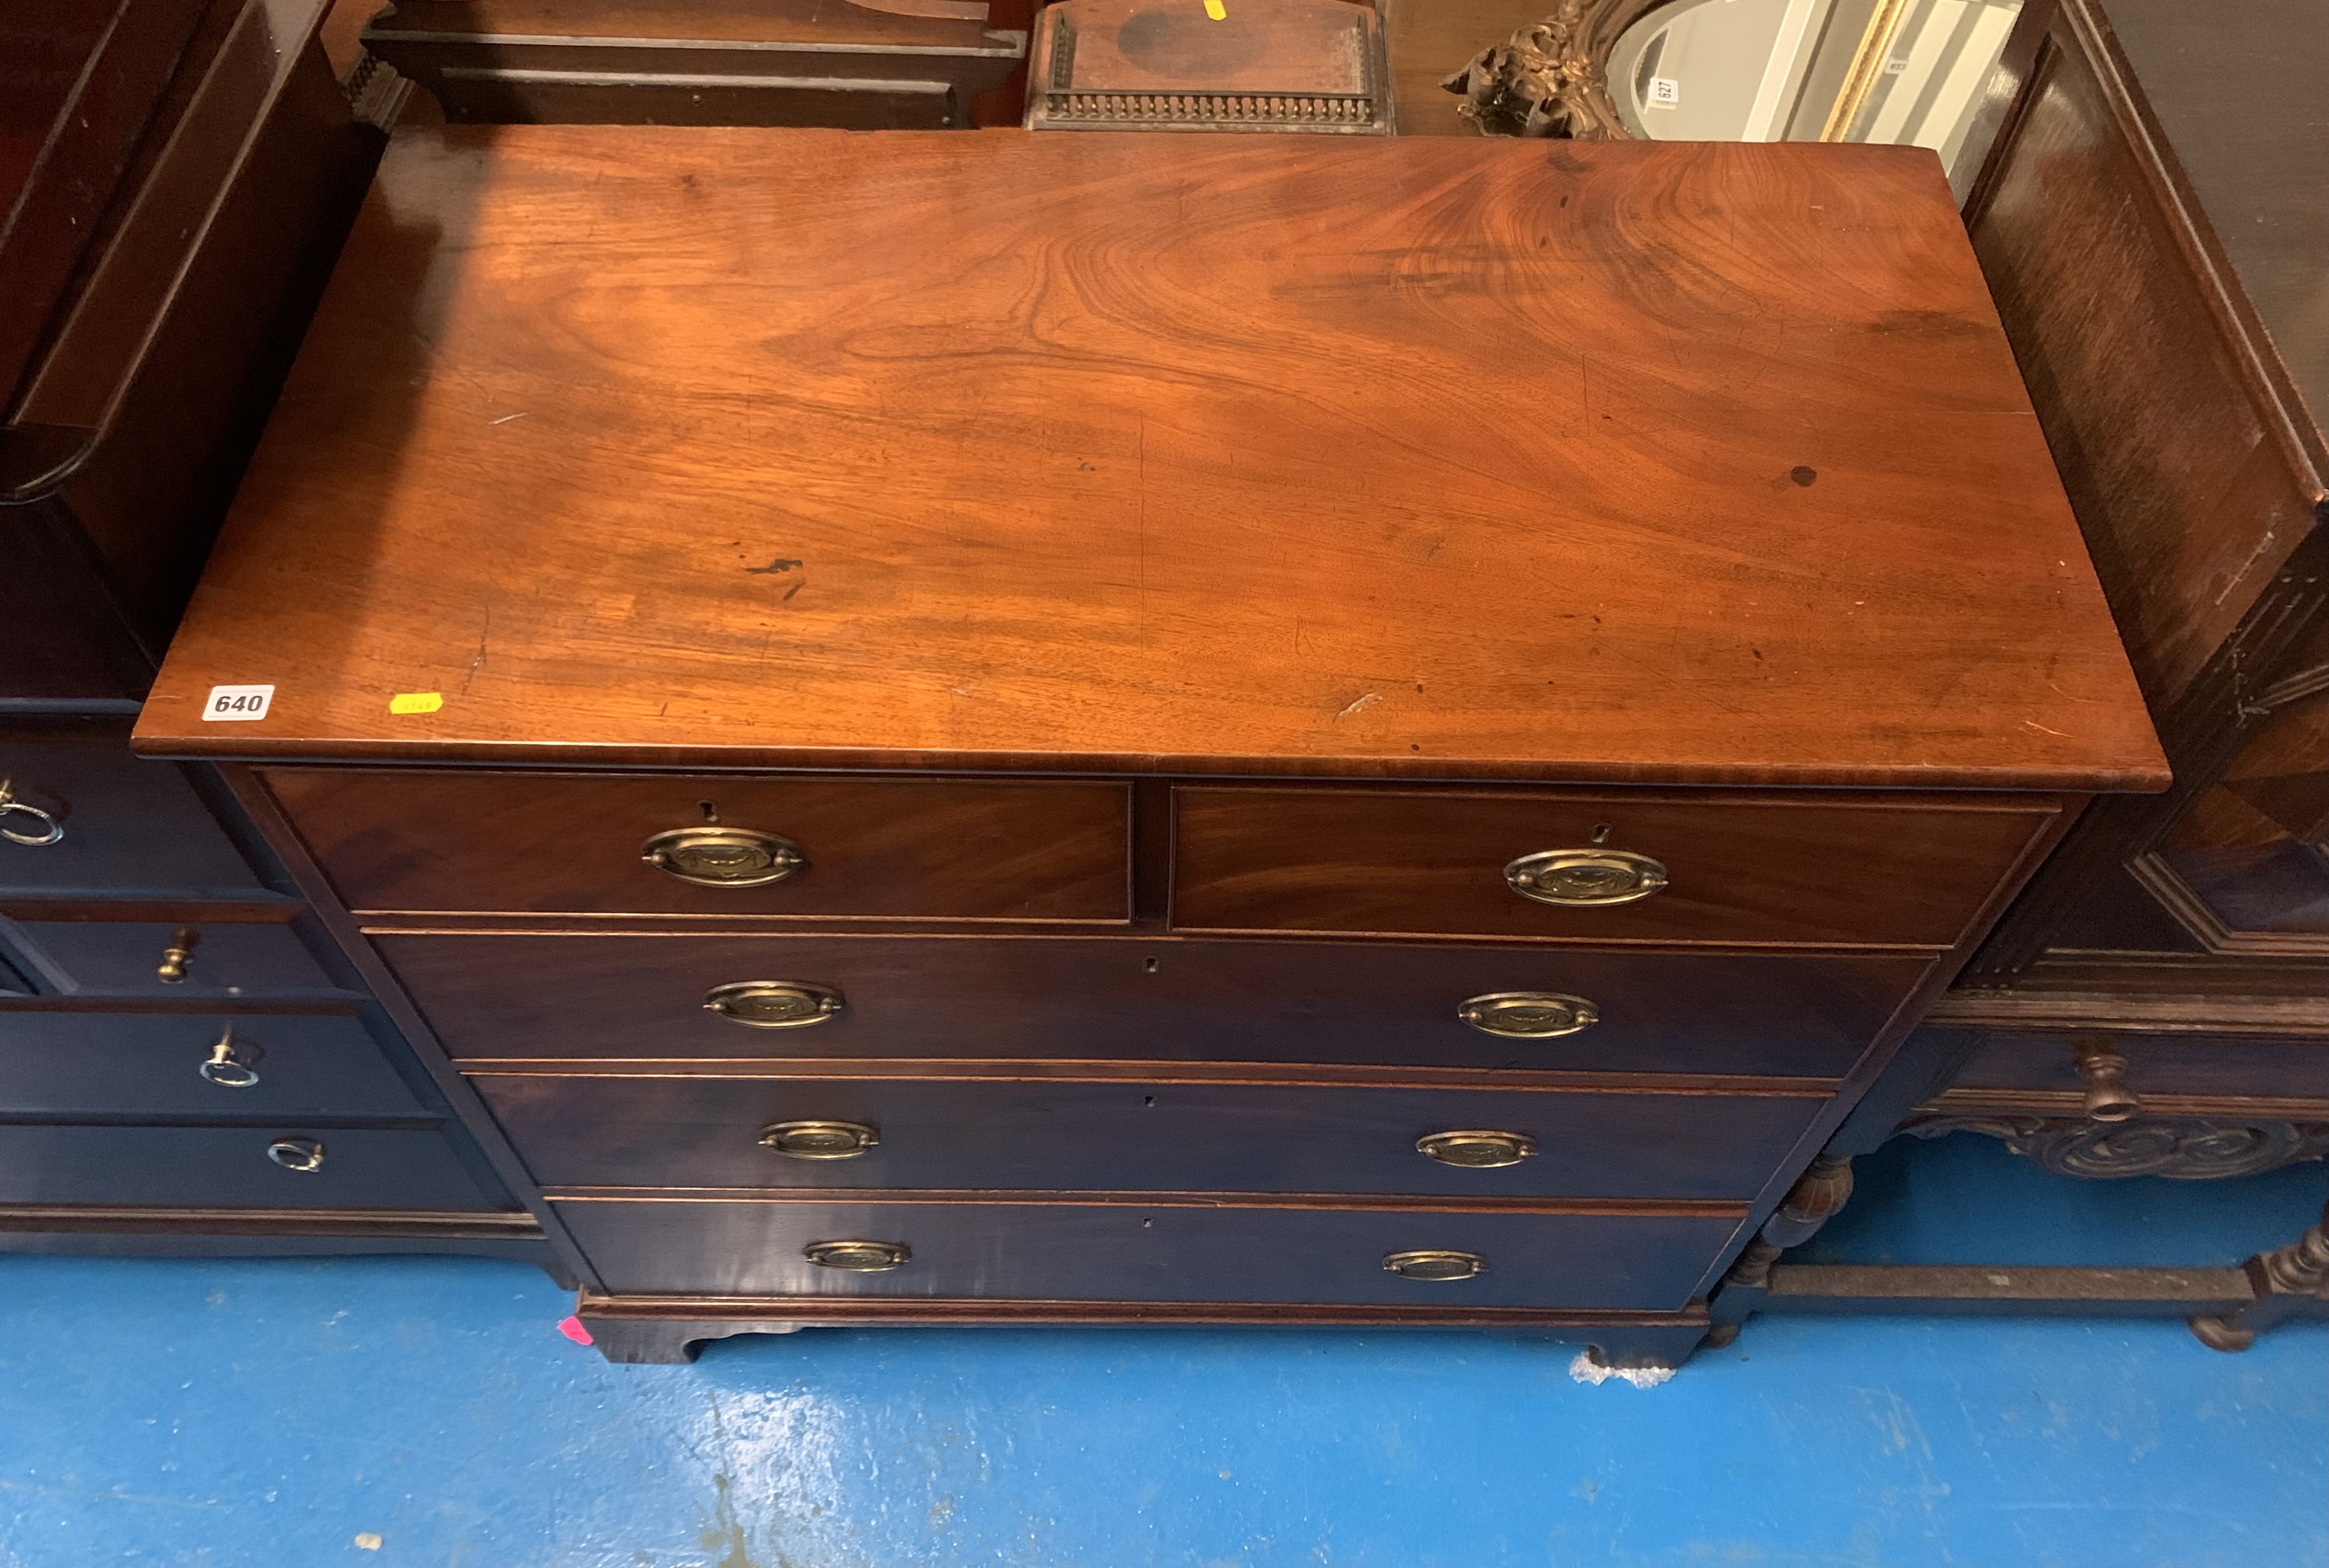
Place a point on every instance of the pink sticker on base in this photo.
(573, 1329)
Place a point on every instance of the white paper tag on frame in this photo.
(1666, 93)
(233, 704)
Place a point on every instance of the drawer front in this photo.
(195, 1064)
(886, 848)
(1102, 998)
(122, 826)
(2161, 1067)
(1131, 1252)
(134, 959)
(1392, 862)
(1080, 1134)
(230, 1167)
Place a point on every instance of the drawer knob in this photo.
(232, 1063)
(1585, 877)
(1529, 1015)
(1477, 1150)
(37, 829)
(820, 1139)
(776, 1003)
(2108, 1097)
(297, 1153)
(723, 857)
(858, 1257)
(172, 970)
(1431, 1264)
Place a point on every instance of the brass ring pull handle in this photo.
(1529, 1015)
(2108, 1097)
(1477, 1150)
(297, 1153)
(858, 1257)
(776, 1003)
(49, 831)
(172, 970)
(232, 1063)
(1584, 878)
(1435, 1265)
(820, 1139)
(723, 857)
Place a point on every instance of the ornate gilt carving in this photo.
(1551, 78)
(2180, 1147)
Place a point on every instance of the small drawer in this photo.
(195, 1064)
(181, 962)
(1046, 1134)
(2161, 1069)
(235, 1166)
(1111, 1252)
(879, 848)
(84, 817)
(1097, 998)
(1588, 866)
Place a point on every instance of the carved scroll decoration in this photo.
(1551, 78)
(2179, 1147)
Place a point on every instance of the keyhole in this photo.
(1601, 833)
(711, 812)
(1148, 1100)
(1145, 1225)
(1148, 966)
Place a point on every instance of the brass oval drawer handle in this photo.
(820, 1139)
(1477, 1150)
(1583, 878)
(232, 1063)
(723, 857)
(50, 830)
(858, 1257)
(1529, 1015)
(776, 1003)
(297, 1153)
(1435, 1265)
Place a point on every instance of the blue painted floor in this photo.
(427, 1412)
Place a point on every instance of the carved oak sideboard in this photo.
(1099, 728)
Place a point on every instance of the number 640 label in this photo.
(229, 703)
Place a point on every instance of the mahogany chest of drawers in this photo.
(1106, 728)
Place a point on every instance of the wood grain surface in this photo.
(1123, 452)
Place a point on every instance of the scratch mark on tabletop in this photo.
(1361, 705)
(782, 563)
(507, 418)
(478, 662)
(2034, 724)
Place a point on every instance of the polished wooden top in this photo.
(1286, 454)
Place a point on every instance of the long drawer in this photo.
(1051, 1134)
(195, 1064)
(567, 844)
(173, 960)
(2160, 1067)
(1101, 998)
(103, 822)
(1147, 1252)
(232, 1166)
(1585, 866)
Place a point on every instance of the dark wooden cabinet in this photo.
(190, 1064)
(1003, 729)
(2152, 212)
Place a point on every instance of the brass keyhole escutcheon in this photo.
(776, 1003)
(1435, 1265)
(858, 1257)
(1529, 1015)
(723, 857)
(303, 1154)
(1477, 1150)
(820, 1139)
(232, 1063)
(1584, 878)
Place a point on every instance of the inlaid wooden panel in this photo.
(1082, 998)
(900, 848)
(1806, 872)
(1151, 1252)
(1064, 1135)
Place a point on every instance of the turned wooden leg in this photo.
(1823, 1190)
(2291, 1281)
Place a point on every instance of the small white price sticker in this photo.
(1666, 93)
(232, 703)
